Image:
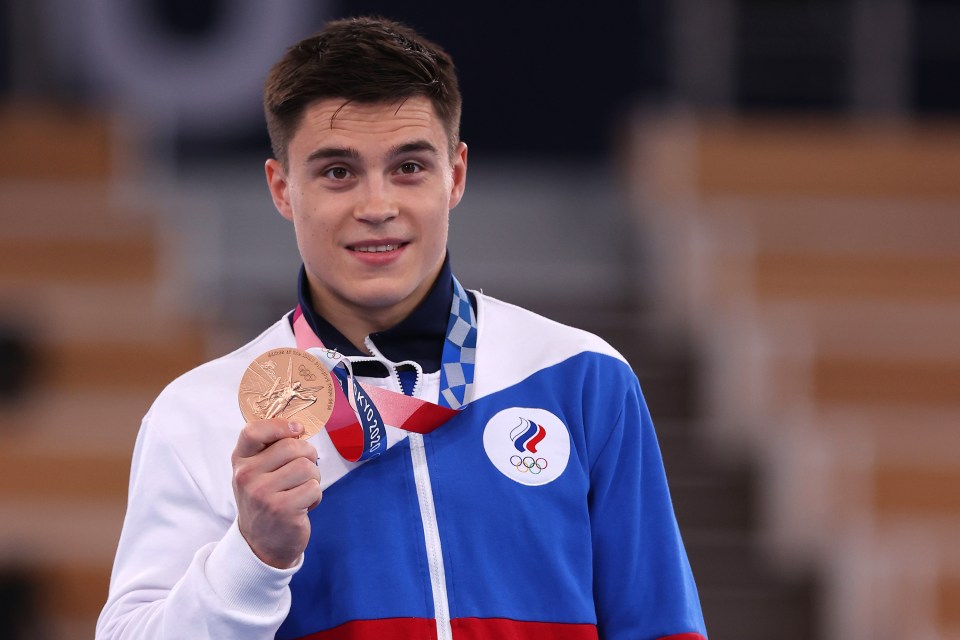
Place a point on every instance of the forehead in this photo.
(334, 121)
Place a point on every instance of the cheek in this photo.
(313, 237)
(309, 217)
(440, 231)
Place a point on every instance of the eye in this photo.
(337, 173)
(409, 167)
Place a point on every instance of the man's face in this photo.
(369, 193)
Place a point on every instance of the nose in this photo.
(377, 203)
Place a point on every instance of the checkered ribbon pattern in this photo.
(459, 352)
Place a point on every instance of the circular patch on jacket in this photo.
(530, 446)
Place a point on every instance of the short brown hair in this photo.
(365, 60)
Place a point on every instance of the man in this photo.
(537, 509)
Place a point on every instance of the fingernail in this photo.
(295, 427)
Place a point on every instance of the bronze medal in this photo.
(289, 384)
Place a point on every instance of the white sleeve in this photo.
(183, 569)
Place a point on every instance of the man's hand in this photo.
(276, 482)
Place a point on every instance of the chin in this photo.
(382, 295)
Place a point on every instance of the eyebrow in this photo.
(349, 153)
(411, 147)
(327, 153)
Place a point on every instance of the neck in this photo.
(354, 318)
(355, 321)
(355, 327)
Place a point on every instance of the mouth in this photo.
(376, 248)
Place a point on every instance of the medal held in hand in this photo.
(289, 384)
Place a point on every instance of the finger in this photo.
(293, 474)
(305, 496)
(283, 494)
(289, 475)
(260, 434)
(277, 455)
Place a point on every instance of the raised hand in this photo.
(276, 482)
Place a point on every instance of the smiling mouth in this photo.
(379, 248)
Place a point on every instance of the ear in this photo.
(279, 187)
(459, 175)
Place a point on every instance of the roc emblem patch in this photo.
(529, 446)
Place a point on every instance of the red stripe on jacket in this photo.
(385, 629)
(503, 629)
(467, 629)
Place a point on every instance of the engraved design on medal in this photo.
(289, 384)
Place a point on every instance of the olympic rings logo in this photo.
(528, 463)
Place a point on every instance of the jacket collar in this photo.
(418, 337)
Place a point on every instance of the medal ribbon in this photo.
(357, 425)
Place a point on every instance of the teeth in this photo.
(377, 249)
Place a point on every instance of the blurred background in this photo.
(757, 202)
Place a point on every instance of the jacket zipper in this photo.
(428, 511)
(431, 534)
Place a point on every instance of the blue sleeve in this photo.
(643, 585)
